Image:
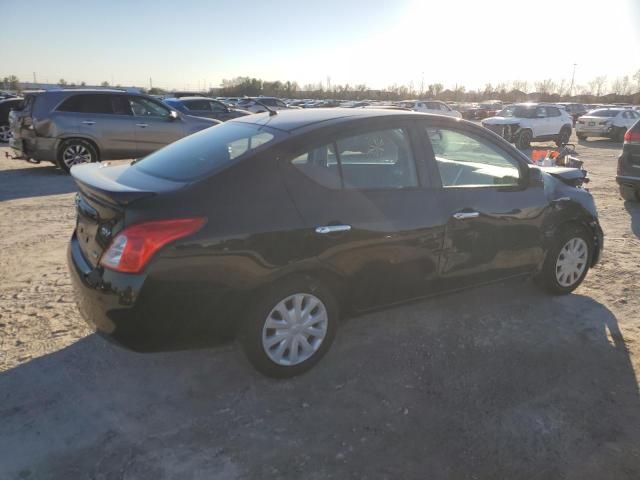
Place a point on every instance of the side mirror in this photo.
(173, 115)
(533, 177)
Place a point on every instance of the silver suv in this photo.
(68, 127)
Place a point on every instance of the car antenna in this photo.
(271, 111)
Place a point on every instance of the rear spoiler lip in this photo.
(119, 185)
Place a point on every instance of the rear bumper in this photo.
(37, 148)
(594, 131)
(143, 313)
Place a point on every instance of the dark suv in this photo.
(628, 176)
(68, 127)
(270, 226)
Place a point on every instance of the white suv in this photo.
(430, 106)
(524, 123)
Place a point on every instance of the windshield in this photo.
(604, 113)
(205, 152)
(518, 112)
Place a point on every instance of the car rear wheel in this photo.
(75, 152)
(581, 136)
(524, 139)
(564, 136)
(5, 133)
(629, 194)
(567, 261)
(620, 134)
(291, 327)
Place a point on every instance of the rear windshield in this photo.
(204, 152)
(604, 113)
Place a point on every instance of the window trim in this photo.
(434, 171)
(337, 133)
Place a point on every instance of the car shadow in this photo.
(499, 382)
(599, 143)
(633, 208)
(34, 181)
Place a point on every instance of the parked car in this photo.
(523, 123)
(6, 106)
(185, 244)
(576, 110)
(610, 122)
(262, 104)
(71, 126)
(628, 175)
(430, 106)
(205, 107)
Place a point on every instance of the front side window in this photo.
(380, 159)
(541, 112)
(465, 160)
(444, 107)
(553, 112)
(217, 107)
(143, 107)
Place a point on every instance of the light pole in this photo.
(573, 76)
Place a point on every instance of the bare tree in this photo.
(520, 85)
(616, 86)
(599, 84)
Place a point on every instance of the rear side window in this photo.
(197, 104)
(553, 112)
(90, 103)
(205, 152)
(380, 159)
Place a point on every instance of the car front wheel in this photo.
(629, 194)
(563, 137)
(5, 134)
(290, 328)
(567, 261)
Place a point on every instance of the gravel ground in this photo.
(497, 382)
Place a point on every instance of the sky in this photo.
(194, 43)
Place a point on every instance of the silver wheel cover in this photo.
(5, 133)
(76, 154)
(294, 329)
(572, 261)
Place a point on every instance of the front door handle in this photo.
(465, 215)
(89, 122)
(323, 230)
(142, 125)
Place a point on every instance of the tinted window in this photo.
(197, 104)
(92, 103)
(120, 105)
(553, 112)
(217, 106)
(518, 112)
(320, 165)
(270, 102)
(205, 152)
(144, 107)
(380, 159)
(541, 112)
(433, 105)
(469, 161)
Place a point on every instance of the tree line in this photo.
(620, 89)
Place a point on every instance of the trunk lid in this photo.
(104, 194)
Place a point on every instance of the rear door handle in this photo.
(142, 125)
(89, 122)
(465, 215)
(323, 230)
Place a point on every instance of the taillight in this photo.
(632, 136)
(134, 246)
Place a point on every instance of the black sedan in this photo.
(272, 226)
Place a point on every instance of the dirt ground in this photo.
(501, 382)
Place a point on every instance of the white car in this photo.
(606, 122)
(260, 104)
(429, 106)
(523, 123)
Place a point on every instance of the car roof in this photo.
(290, 120)
(180, 99)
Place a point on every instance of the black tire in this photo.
(524, 139)
(629, 193)
(251, 334)
(620, 134)
(547, 278)
(82, 146)
(581, 136)
(564, 136)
